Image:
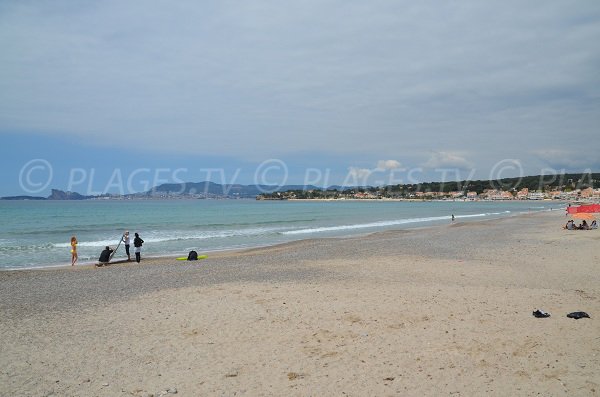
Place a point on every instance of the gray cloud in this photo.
(561, 159)
(377, 80)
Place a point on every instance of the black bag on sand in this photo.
(540, 314)
(192, 256)
(578, 315)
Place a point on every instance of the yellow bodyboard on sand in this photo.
(184, 258)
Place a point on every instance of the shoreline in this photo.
(91, 264)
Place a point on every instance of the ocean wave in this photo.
(115, 229)
(68, 230)
(363, 225)
(267, 222)
(6, 242)
(161, 237)
(27, 247)
(378, 224)
(481, 215)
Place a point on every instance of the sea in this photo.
(37, 234)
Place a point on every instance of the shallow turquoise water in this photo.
(37, 233)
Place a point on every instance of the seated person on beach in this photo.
(570, 225)
(105, 256)
(594, 225)
(584, 226)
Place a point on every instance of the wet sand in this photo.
(434, 311)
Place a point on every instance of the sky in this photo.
(114, 96)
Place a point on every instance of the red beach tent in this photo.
(584, 208)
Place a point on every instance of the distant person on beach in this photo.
(137, 243)
(594, 225)
(452, 217)
(105, 256)
(73, 250)
(126, 241)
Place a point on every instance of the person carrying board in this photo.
(126, 240)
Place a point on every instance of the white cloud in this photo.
(388, 164)
(357, 176)
(360, 174)
(447, 160)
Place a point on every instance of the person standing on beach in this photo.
(73, 250)
(126, 241)
(137, 243)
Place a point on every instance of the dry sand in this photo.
(435, 311)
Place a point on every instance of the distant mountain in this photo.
(214, 190)
(211, 189)
(60, 195)
(22, 198)
(55, 195)
(201, 189)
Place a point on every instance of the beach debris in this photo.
(389, 378)
(294, 375)
(170, 390)
(540, 313)
(578, 315)
(231, 374)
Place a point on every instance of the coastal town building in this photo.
(535, 196)
(522, 194)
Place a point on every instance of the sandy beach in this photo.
(434, 311)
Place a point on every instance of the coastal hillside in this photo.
(207, 189)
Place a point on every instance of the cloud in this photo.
(250, 81)
(559, 159)
(447, 160)
(388, 164)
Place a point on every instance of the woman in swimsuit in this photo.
(73, 250)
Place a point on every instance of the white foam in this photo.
(364, 225)
(385, 223)
(158, 237)
(6, 243)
